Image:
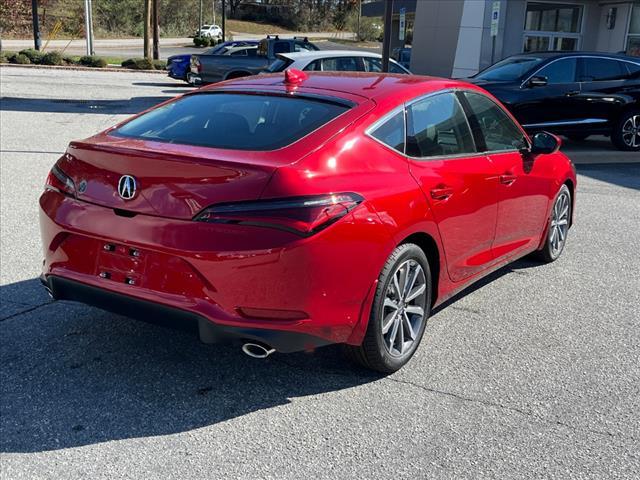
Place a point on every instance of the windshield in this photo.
(509, 69)
(233, 121)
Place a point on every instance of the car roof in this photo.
(562, 54)
(314, 55)
(380, 87)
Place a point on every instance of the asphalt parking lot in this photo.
(534, 372)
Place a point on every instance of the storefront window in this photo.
(552, 26)
(553, 17)
(633, 39)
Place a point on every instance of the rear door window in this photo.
(341, 64)
(437, 126)
(601, 69)
(233, 121)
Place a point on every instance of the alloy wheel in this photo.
(559, 223)
(631, 131)
(403, 311)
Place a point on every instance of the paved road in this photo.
(132, 47)
(535, 373)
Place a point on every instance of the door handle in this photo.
(573, 93)
(507, 179)
(441, 193)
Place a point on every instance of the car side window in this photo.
(315, 66)
(391, 132)
(341, 64)
(281, 47)
(634, 69)
(437, 126)
(601, 69)
(395, 68)
(560, 71)
(500, 133)
(301, 47)
(375, 65)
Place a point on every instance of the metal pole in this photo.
(386, 43)
(224, 17)
(87, 27)
(156, 30)
(200, 18)
(36, 25)
(90, 35)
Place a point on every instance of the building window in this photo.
(552, 26)
(633, 39)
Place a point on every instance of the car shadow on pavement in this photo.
(622, 174)
(72, 375)
(517, 267)
(69, 105)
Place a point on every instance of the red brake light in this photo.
(300, 215)
(59, 181)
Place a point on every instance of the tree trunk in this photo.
(156, 30)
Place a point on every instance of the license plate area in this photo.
(121, 264)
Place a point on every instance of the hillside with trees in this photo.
(124, 18)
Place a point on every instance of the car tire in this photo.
(557, 227)
(626, 132)
(578, 137)
(398, 318)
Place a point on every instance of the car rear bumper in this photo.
(241, 280)
(159, 314)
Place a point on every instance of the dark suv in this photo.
(575, 94)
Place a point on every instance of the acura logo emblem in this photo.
(127, 187)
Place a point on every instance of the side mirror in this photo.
(538, 82)
(545, 143)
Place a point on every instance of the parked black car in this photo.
(575, 94)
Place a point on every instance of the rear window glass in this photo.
(232, 121)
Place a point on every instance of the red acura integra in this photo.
(291, 212)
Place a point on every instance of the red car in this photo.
(291, 212)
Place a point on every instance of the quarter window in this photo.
(375, 65)
(497, 129)
(560, 71)
(391, 132)
(438, 126)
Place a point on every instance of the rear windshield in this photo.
(232, 121)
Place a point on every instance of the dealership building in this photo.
(457, 38)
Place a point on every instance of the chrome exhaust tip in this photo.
(257, 350)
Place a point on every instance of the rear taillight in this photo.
(300, 215)
(59, 181)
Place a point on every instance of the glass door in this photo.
(552, 26)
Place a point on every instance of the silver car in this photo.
(334, 61)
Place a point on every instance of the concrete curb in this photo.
(79, 67)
